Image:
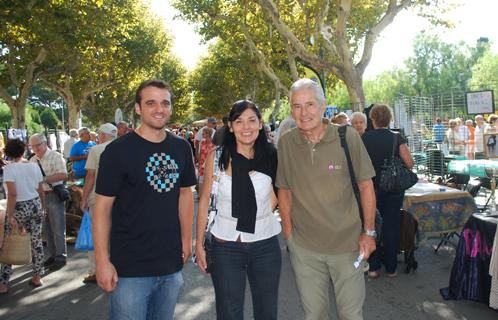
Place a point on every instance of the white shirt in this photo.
(225, 225)
(479, 138)
(67, 147)
(26, 177)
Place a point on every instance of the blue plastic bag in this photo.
(84, 241)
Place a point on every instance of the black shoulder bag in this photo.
(354, 183)
(60, 189)
(395, 177)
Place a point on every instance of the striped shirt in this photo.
(438, 132)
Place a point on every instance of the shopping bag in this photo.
(16, 248)
(84, 241)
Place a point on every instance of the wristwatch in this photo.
(370, 233)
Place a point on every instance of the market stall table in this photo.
(470, 277)
(438, 209)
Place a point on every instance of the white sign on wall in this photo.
(479, 102)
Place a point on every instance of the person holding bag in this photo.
(25, 203)
(379, 145)
(244, 231)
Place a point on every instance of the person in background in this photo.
(438, 131)
(206, 146)
(285, 126)
(479, 137)
(107, 133)
(122, 128)
(79, 153)
(492, 139)
(25, 208)
(454, 138)
(245, 230)
(54, 166)
(359, 122)
(211, 123)
(464, 134)
(73, 138)
(93, 137)
(340, 119)
(471, 141)
(220, 132)
(379, 144)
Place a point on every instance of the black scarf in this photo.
(244, 206)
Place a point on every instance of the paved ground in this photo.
(412, 296)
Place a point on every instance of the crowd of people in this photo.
(142, 208)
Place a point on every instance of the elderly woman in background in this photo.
(454, 138)
(25, 200)
(379, 144)
(285, 126)
(359, 122)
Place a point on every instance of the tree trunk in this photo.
(355, 91)
(72, 112)
(276, 109)
(18, 115)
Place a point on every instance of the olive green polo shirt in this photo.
(325, 216)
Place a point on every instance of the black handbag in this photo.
(352, 176)
(60, 190)
(394, 176)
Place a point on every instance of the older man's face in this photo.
(38, 146)
(306, 110)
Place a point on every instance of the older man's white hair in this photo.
(38, 137)
(305, 83)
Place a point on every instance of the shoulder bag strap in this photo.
(395, 140)
(214, 189)
(43, 173)
(354, 184)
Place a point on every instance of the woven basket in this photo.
(16, 248)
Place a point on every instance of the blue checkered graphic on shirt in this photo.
(162, 172)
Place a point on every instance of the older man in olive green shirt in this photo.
(318, 208)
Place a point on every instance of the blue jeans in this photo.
(261, 262)
(55, 227)
(145, 298)
(389, 205)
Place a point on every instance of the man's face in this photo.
(306, 110)
(480, 121)
(155, 107)
(122, 130)
(39, 147)
(85, 136)
(211, 125)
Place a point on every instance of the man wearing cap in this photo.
(79, 153)
(211, 123)
(107, 133)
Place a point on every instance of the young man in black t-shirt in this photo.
(144, 211)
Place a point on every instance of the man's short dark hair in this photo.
(151, 83)
(438, 120)
(14, 148)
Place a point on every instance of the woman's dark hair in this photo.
(14, 148)
(262, 148)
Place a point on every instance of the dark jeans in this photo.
(261, 261)
(389, 205)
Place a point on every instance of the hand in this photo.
(83, 205)
(367, 245)
(13, 223)
(186, 253)
(107, 277)
(200, 258)
(287, 232)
